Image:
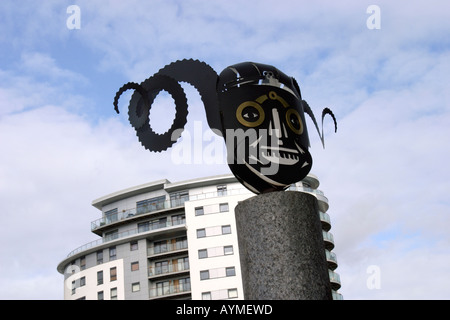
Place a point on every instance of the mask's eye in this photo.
(250, 114)
(294, 121)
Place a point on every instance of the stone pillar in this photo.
(281, 247)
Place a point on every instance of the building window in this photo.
(226, 229)
(230, 271)
(232, 293)
(199, 211)
(160, 247)
(112, 253)
(153, 224)
(135, 266)
(181, 243)
(228, 250)
(204, 275)
(185, 284)
(135, 287)
(178, 198)
(161, 267)
(183, 263)
(72, 266)
(202, 254)
(99, 277)
(201, 233)
(178, 219)
(160, 223)
(113, 293)
(206, 295)
(112, 235)
(222, 190)
(150, 205)
(111, 216)
(113, 274)
(100, 257)
(144, 226)
(74, 287)
(133, 245)
(162, 288)
(82, 281)
(100, 295)
(223, 207)
(83, 263)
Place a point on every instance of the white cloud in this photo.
(45, 66)
(386, 175)
(54, 164)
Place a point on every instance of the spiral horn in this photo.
(204, 79)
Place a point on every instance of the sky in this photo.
(384, 72)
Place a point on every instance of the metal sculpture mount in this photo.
(256, 108)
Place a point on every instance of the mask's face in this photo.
(265, 133)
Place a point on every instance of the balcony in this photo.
(328, 240)
(154, 228)
(168, 291)
(335, 280)
(325, 220)
(154, 207)
(331, 260)
(167, 249)
(336, 295)
(167, 270)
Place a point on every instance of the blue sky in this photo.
(385, 171)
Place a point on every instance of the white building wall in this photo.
(212, 221)
(91, 288)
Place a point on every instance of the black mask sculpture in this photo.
(256, 108)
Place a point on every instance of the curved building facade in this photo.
(166, 240)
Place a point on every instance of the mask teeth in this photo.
(288, 155)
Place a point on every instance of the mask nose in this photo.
(276, 128)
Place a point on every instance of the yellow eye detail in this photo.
(294, 121)
(250, 114)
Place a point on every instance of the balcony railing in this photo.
(331, 259)
(335, 280)
(126, 214)
(336, 295)
(166, 248)
(167, 269)
(161, 205)
(157, 226)
(328, 239)
(331, 256)
(167, 290)
(325, 220)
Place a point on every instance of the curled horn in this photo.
(325, 111)
(204, 79)
(194, 72)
